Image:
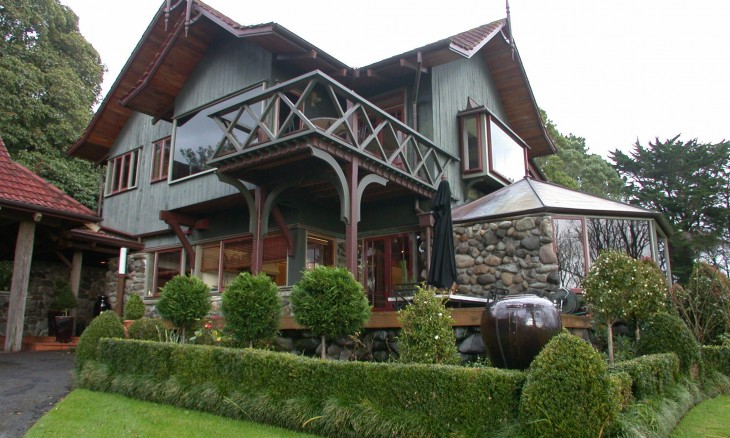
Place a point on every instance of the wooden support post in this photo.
(121, 277)
(257, 258)
(75, 280)
(19, 286)
(351, 173)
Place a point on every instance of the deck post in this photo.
(351, 172)
(19, 286)
(257, 261)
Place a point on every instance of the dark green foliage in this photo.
(6, 274)
(688, 183)
(65, 299)
(147, 329)
(252, 307)
(330, 302)
(426, 335)
(106, 325)
(704, 303)
(184, 300)
(50, 78)
(622, 394)
(650, 375)
(665, 333)
(134, 307)
(330, 398)
(574, 167)
(568, 392)
(716, 358)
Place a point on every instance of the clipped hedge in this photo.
(106, 325)
(650, 375)
(330, 398)
(147, 329)
(716, 358)
(665, 333)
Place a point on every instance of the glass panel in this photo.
(570, 251)
(197, 137)
(275, 259)
(319, 252)
(399, 261)
(662, 256)
(627, 235)
(508, 157)
(471, 143)
(375, 274)
(159, 159)
(236, 259)
(210, 264)
(168, 266)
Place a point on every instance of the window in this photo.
(200, 134)
(160, 159)
(121, 172)
(482, 133)
(168, 264)
(320, 252)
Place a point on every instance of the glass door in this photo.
(387, 263)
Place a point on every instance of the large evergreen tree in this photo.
(50, 78)
(688, 182)
(574, 167)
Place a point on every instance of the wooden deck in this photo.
(466, 317)
(44, 343)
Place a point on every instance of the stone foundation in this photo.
(512, 256)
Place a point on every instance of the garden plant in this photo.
(704, 303)
(184, 300)
(147, 329)
(426, 333)
(134, 307)
(252, 307)
(106, 325)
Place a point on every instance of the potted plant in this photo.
(133, 310)
(65, 301)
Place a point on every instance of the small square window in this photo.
(121, 173)
(160, 159)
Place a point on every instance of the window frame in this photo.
(465, 156)
(155, 266)
(164, 160)
(113, 185)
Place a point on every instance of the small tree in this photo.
(330, 302)
(134, 307)
(704, 303)
(649, 294)
(426, 334)
(183, 301)
(252, 307)
(65, 299)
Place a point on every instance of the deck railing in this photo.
(317, 104)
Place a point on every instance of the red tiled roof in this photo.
(475, 38)
(22, 188)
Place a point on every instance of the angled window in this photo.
(121, 172)
(160, 159)
(472, 143)
(168, 264)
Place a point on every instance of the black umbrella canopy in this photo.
(442, 273)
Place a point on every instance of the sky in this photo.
(613, 72)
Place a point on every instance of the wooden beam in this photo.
(312, 54)
(281, 223)
(63, 258)
(175, 220)
(417, 66)
(19, 286)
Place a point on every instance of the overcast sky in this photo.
(610, 71)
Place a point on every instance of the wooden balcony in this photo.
(268, 135)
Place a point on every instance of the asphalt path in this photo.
(30, 384)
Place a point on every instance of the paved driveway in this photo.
(30, 384)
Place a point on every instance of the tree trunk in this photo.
(638, 331)
(610, 342)
(324, 349)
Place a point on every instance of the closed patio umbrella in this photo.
(442, 273)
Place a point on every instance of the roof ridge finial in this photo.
(509, 29)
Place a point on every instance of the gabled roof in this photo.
(529, 196)
(172, 47)
(21, 189)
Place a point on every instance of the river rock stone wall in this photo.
(135, 281)
(513, 256)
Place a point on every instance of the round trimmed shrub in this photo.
(106, 325)
(568, 392)
(184, 300)
(665, 333)
(426, 335)
(134, 307)
(330, 302)
(147, 329)
(252, 307)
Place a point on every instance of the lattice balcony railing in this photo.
(315, 104)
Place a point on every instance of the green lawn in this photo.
(710, 418)
(86, 413)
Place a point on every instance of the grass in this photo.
(710, 418)
(86, 413)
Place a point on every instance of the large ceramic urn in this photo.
(515, 329)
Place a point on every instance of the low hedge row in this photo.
(716, 358)
(651, 374)
(330, 398)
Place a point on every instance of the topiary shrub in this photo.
(665, 333)
(330, 302)
(65, 298)
(568, 392)
(134, 307)
(252, 307)
(147, 329)
(106, 325)
(426, 333)
(184, 300)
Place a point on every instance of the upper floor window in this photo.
(160, 159)
(487, 145)
(200, 133)
(121, 172)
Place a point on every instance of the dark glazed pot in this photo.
(64, 328)
(101, 305)
(516, 328)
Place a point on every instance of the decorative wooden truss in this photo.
(315, 104)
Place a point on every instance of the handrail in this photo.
(316, 103)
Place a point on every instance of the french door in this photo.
(387, 262)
